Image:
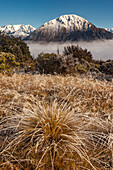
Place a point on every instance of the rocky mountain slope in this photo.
(69, 28)
(17, 30)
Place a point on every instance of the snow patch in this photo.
(109, 29)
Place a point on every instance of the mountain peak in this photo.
(70, 21)
(69, 28)
(71, 17)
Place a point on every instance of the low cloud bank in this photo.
(99, 49)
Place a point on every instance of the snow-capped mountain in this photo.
(69, 28)
(70, 22)
(17, 30)
(109, 29)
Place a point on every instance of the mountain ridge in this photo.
(19, 30)
(64, 28)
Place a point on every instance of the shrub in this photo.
(106, 67)
(61, 64)
(16, 46)
(48, 63)
(7, 62)
(76, 60)
(78, 52)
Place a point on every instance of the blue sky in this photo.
(37, 12)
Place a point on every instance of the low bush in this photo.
(48, 63)
(7, 62)
(74, 60)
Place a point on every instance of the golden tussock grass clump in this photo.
(54, 137)
(55, 122)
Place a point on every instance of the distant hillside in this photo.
(69, 28)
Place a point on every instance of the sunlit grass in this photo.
(55, 122)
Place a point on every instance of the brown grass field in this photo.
(55, 122)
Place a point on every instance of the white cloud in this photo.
(99, 49)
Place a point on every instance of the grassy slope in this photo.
(66, 122)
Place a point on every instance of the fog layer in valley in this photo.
(99, 49)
